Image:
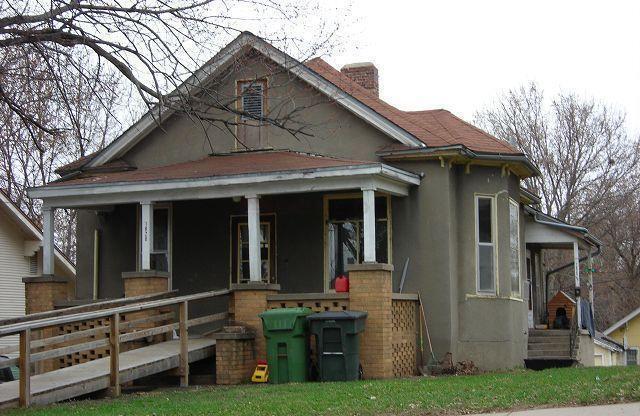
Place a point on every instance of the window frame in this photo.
(238, 104)
(325, 227)
(493, 244)
(234, 249)
(518, 293)
(161, 205)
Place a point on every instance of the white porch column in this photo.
(576, 273)
(146, 234)
(369, 216)
(253, 214)
(48, 247)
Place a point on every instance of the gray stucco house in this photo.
(367, 182)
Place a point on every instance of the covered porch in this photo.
(561, 326)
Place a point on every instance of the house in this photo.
(627, 333)
(21, 257)
(607, 351)
(423, 193)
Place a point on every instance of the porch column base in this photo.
(41, 295)
(247, 301)
(370, 290)
(145, 283)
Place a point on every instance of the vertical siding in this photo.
(13, 267)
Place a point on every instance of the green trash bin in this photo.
(285, 330)
(338, 343)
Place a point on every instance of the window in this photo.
(485, 239)
(345, 234)
(252, 99)
(240, 243)
(632, 356)
(160, 258)
(514, 246)
(33, 264)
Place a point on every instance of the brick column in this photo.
(370, 291)
(41, 295)
(247, 301)
(145, 283)
(235, 356)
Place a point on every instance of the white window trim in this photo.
(637, 350)
(517, 294)
(493, 244)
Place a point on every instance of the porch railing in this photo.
(154, 324)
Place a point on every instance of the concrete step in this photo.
(548, 345)
(548, 332)
(558, 339)
(549, 353)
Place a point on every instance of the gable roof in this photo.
(622, 321)
(30, 228)
(411, 129)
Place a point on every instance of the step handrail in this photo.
(102, 313)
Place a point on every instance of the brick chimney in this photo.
(365, 74)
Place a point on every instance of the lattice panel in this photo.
(316, 305)
(87, 355)
(404, 328)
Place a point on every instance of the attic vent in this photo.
(252, 99)
(33, 265)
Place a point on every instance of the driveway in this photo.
(628, 409)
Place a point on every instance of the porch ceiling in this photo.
(548, 232)
(224, 176)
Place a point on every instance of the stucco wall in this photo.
(492, 329)
(328, 128)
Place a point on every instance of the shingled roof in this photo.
(435, 128)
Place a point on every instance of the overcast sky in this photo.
(460, 55)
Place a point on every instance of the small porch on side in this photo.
(561, 327)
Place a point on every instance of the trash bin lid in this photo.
(337, 316)
(283, 318)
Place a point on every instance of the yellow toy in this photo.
(261, 373)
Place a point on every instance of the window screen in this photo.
(485, 245)
(514, 245)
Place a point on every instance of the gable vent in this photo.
(252, 99)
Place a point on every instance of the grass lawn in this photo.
(442, 395)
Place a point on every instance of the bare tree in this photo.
(155, 45)
(590, 175)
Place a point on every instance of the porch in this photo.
(561, 328)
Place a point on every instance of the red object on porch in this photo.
(342, 284)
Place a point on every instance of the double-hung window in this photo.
(514, 246)
(160, 254)
(485, 245)
(240, 266)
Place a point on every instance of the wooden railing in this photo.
(115, 338)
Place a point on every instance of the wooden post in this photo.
(369, 220)
(184, 344)
(146, 234)
(114, 355)
(25, 367)
(48, 256)
(576, 272)
(253, 220)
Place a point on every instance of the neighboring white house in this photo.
(21, 256)
(607, 352)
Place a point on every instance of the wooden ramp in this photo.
(93, 376)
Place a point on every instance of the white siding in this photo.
(13, 267)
